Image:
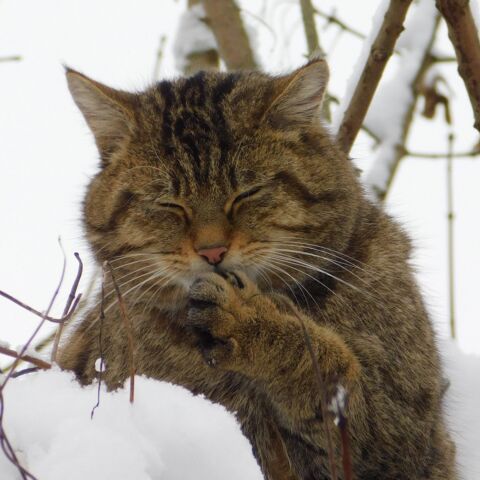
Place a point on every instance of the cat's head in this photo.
(216, 171)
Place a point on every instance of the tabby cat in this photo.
(229, 216)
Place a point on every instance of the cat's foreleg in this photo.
(259, 335)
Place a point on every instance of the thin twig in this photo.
(159, 58)
(332, 19)
(11, 58)
(100, 339)
(314, 47)
(129, 330)
(311, 33)
(450, 238)
(71, 299)
(39, 326)
(7, 446)
(463, 34)
(380, 51)
(346, 448)
(36, 312)
(323, 395)
(25, 357)
(433, 156)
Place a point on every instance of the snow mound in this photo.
(169, 434)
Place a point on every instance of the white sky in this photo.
(47, 153)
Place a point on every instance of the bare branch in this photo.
(70, 300)
(129, 329)
(233, 43)
(342, 25)
(433, 156)
(38, 362)
(450, 236)
(464, 37)
(159, 57)
(311, 34)
(314, 47)
(393, 152)
(39, 326)
(11, 58)
(380, 51)
(40, 314)
(201, 55)
(100, 337)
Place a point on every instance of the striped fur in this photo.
(241, 160)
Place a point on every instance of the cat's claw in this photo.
(213, 311)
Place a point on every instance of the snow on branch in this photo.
(232, 39)
(195, 47)
(464, 37)
(379, 46)
(391, 113)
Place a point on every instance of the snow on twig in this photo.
(195, 46)
(379, 46)
(392, 109)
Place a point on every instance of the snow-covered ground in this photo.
(168, 434)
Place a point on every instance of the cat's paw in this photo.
(217, 314)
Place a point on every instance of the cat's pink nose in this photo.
(213, 255)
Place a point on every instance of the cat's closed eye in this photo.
(241, 198)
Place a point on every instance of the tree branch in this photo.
(311, 34)
(380, 51)
(38, 362)
(342, 25)
(392, 150)
(129, 330)
(464, 37)
(433, 156)
(11, 58)
(233, 43)
(314, 47)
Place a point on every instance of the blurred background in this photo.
(47, 154)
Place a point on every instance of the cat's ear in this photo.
(299, 96)
(109, 113)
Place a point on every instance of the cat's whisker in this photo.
(275, 266)
(161, 276)
(295, 261)
(302, 288)
(318, 281)
(161, 284)
(323, 249)
(300, 252)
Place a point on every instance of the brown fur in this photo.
(174, 159)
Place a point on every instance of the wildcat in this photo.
(229, 216)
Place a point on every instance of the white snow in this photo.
(386, 115)
(463, 407)
(475, 8)
(100, 365)
(168, 434)
(360, 64)
(193, 36)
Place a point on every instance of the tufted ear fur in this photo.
(299, 96)
(108, 112)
